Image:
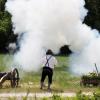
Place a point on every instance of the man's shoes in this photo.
(41, 85)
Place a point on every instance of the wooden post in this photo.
(96, 69)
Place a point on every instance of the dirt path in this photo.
(40, 95)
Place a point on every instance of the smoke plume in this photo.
(52, 24)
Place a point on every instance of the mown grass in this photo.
(63, 80)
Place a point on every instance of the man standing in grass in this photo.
(49, 62)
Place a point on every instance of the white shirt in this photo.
(52, 61)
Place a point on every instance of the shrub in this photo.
(56, 97)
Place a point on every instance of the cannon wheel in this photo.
(14, 78)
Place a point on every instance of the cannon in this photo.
(92, 78)
(12, 76)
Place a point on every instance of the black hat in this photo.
(49, 52)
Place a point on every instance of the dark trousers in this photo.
(47, 71)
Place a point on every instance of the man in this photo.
(49, 62)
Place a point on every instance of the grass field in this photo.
(63, 80)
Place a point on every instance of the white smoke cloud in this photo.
(48, 24)
(84, 62)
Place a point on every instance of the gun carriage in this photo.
(92, 78)
(12, 76)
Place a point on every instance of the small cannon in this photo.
(91, 79)
(12, 76)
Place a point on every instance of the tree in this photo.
(2, 5)
(93, 17)
(6, 33)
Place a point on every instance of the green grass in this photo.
(63, 80)
(2, 63)
(5, 61)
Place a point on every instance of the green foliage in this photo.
(93, 17)
(6, 33)
(5, 23)
(56, 97)
(2, 5)
(81, 96)
(97, 95)
(5, 26)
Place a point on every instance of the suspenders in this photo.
(47, 61)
